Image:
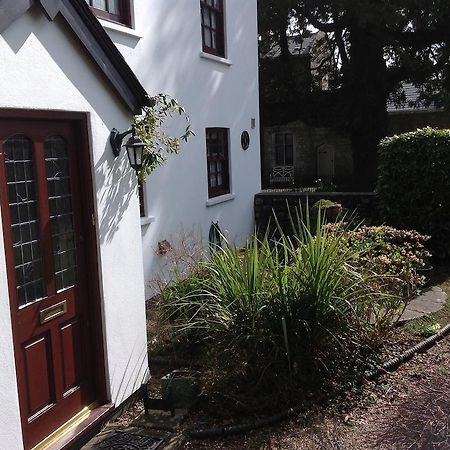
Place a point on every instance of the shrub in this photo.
(389, 252)
(282, 302)
(391, 260)
(414, 184)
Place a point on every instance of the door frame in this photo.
(79, 121)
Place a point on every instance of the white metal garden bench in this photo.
(282, 174)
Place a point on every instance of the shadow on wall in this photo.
(115, 183)
(213, 93)
(131, 378)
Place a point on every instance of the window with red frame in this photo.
(213, 27)
(114, 10)
(218, 161)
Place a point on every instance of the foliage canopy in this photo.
(417, 194)
(374, 46)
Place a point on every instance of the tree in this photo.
(377, 45)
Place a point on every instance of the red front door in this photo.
(44, 225)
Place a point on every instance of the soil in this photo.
(408, 409)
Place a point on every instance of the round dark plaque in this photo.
(245, 140)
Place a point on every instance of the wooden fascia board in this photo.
(104, 52)
(88, 41)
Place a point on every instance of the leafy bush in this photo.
(389, 252)
(414, 184)
(391, 260)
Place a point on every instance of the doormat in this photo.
(121, 440)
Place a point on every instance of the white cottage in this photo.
(204, 53)
(72, 318)
(72, 285)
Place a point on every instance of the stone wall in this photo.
(307, 141)
(362, 204)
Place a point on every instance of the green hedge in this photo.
(414, 184)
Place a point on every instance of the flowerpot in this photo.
(181, 387)
(426, 271)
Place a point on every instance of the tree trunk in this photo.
(367, 92)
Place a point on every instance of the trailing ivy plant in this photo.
(150, 128)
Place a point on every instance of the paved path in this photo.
(430, 301)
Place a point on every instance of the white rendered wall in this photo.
(43, 68)
(167, 58)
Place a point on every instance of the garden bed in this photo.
(397, 411)
(289, 322)
(393, 412)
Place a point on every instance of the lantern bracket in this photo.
(116, 139)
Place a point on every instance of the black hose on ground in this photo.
(372, 375)
(394, 363)
(242, 428)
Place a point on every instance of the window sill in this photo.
(221, 199)
(215, 58)
(147, 220)
(120, 28)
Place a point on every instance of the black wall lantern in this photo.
(135, 147)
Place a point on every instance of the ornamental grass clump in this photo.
(287, 308)
(282, 302)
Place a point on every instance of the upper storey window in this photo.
(213, 27)
(114, 10)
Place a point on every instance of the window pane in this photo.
(114, 7)
(24, 218)
(284, 149)
(61, 213)
(99, 4)
(206, 17)
(207, 37)
(289, 156)
(213, 27)
(279, 156)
